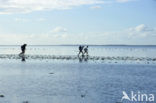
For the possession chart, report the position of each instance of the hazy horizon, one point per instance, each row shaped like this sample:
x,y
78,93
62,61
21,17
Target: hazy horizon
x,y
77,45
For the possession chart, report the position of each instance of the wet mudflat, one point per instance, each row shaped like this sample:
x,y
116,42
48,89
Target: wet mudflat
x,y
65,81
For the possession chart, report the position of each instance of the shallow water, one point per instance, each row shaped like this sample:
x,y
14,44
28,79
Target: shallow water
x,y
72,82
109,54
54,74
131,51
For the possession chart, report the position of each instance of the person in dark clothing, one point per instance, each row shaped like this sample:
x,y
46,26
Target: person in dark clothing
x,y
23,48
80,50
86,50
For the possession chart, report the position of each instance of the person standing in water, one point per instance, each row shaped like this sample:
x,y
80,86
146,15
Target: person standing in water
x,y
86,50
23,48
80,50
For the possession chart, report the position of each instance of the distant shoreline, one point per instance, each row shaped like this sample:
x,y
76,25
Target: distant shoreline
x,y
82,44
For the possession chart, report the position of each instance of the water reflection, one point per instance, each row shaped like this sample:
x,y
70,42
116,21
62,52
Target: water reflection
x,y
83,58
132,51
23,58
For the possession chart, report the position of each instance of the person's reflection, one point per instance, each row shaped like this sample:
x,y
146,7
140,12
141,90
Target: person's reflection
x,y
83,58
22,58
86,58
80,59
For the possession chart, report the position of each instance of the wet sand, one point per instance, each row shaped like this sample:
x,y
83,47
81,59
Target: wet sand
x,y
72,81
102,59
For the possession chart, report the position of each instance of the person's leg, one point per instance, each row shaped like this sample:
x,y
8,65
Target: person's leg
x,y
82,53
87,53
79,53
23,52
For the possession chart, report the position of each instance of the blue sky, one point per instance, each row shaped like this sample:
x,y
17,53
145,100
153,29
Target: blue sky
x,y
78,22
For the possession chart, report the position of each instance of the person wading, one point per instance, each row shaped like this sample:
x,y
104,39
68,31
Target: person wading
x,y
23,48
80,50
86,50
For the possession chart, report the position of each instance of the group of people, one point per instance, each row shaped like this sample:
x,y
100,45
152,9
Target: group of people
x,y
83,50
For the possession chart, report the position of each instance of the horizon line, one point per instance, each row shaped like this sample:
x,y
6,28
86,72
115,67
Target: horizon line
x,y
84,45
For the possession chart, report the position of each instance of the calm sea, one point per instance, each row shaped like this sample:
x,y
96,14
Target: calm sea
x,y
113,51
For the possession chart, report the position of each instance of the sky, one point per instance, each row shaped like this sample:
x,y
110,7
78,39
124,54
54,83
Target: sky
x,y
100,22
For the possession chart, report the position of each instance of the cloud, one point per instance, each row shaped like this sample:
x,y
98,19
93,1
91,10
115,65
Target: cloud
x,y
96,7
27,6
138,35
142,30
21,20
59,30
29,20
124,1
32,39
41,19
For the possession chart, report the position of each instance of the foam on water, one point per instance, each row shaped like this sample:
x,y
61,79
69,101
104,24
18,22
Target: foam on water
x,y
88,58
